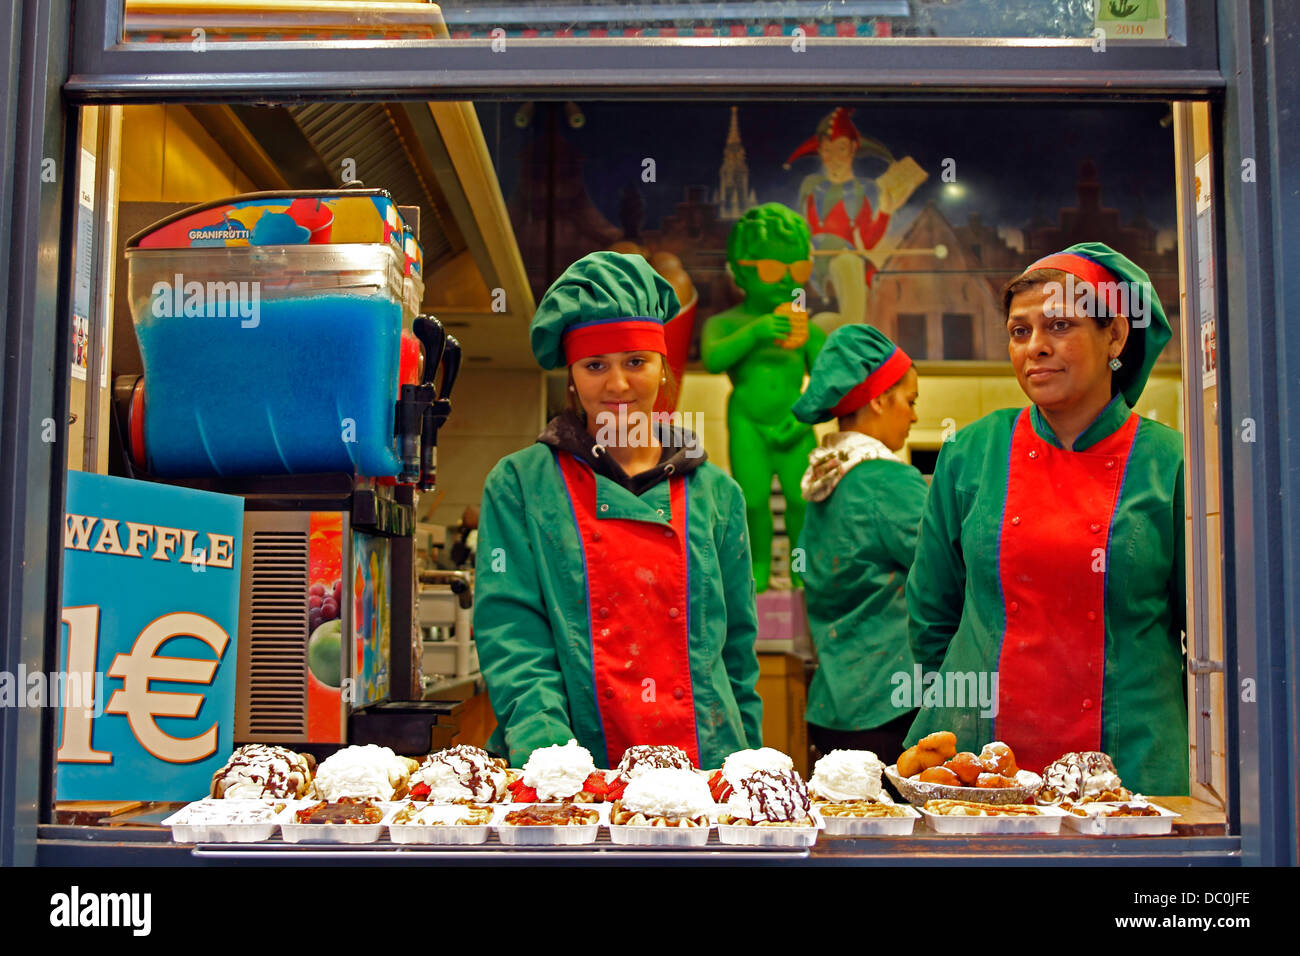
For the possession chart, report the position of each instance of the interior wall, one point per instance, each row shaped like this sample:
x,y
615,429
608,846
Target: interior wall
x,y
494,412
167,156
1209,524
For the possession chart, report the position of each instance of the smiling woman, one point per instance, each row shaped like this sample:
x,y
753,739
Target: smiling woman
x,y
1051,549
614,603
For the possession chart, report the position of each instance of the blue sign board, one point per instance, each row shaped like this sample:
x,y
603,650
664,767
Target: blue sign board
x,y
150,620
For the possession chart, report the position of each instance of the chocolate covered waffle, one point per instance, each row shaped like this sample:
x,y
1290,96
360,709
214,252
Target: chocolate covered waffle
x,y
261,771
557,815
347,810
769,798
1086,777
461,774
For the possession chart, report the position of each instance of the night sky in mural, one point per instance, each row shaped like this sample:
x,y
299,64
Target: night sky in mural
x,y
1011,161
1029,180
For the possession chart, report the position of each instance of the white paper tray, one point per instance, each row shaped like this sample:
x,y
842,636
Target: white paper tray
x,y
873,826
223,833
1098,824
450,834
1048,821
659,836
294,832
788,837
547,836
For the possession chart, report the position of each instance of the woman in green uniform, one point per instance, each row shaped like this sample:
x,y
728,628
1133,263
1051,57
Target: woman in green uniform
x,y
614,594
1051,550
858,539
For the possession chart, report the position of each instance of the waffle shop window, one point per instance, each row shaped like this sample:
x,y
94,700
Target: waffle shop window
x,y
918,222
875,240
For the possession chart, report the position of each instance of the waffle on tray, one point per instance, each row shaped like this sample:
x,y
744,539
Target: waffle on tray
x,y
345,810
565,814
620,816
965,808
1118,810
860,810
471,815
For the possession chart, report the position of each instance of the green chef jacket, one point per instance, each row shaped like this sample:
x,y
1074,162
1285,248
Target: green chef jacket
x,y
859,543
956,590
531,613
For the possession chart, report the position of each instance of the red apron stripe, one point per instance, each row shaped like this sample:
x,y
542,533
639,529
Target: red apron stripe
x,y
639,609
1052,562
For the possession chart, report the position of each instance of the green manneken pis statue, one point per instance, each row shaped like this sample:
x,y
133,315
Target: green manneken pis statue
x,y
766,345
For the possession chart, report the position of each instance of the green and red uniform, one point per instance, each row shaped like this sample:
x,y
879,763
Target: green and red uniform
x,y
615,611
1063,572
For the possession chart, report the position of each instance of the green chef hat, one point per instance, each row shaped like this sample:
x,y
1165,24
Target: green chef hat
x,y
605,302
857,363
1119,287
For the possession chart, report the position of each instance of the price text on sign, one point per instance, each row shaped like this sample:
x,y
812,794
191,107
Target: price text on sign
x,y
151,597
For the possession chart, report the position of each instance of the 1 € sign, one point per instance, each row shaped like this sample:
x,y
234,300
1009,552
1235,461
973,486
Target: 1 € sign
x,y
135,700
160,640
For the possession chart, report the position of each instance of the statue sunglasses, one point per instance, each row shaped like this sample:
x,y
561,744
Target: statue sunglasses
x,y
772,271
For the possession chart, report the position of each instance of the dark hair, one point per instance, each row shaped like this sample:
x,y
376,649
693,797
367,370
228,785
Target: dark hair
x,y
1133,346
1029,280
668,389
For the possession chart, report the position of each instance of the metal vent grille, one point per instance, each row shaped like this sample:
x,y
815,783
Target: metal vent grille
x,y
273,672
366,134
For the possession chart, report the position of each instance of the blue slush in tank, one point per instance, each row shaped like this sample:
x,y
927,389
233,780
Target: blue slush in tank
x,y
301,392
277,359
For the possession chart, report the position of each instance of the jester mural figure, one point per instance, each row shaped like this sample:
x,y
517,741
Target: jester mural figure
x,y
765,345
848,214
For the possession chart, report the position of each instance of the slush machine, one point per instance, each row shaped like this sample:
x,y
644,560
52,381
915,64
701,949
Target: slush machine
x,y
285,361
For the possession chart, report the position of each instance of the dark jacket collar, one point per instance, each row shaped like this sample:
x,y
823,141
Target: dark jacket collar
x,y
681,453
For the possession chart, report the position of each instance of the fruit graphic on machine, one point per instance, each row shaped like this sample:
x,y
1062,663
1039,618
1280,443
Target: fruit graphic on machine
x,y
324,653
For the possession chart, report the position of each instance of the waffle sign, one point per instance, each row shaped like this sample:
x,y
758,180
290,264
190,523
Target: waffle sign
x,y
146,689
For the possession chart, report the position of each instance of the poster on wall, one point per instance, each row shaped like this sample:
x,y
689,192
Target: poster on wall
x,y
147,650
1205,274
917,218
85,262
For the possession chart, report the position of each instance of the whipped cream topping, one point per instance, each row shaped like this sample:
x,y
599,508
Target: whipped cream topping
x,y
777,796
745,762
1027,778
642,757
847,775
558,771
668,792
461,773
360,771
261,770
1077,776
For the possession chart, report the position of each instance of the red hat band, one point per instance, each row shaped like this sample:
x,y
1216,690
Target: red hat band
x,y
603,336
876,384
1088,270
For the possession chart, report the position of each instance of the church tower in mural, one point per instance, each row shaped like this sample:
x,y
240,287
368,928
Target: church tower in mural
x,y
734,195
